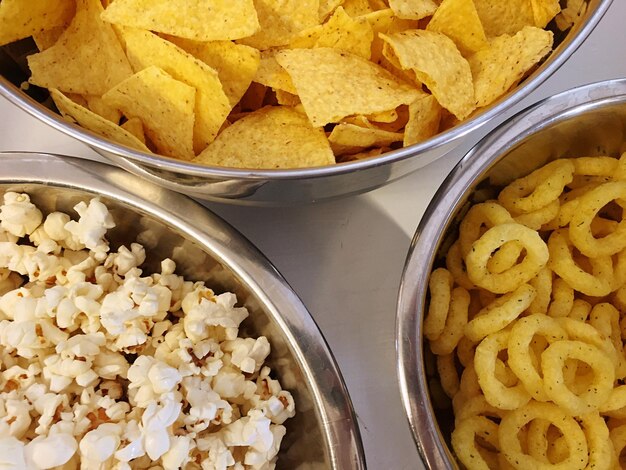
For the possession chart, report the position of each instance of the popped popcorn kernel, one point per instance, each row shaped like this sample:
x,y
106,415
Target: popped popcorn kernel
x,y
104,366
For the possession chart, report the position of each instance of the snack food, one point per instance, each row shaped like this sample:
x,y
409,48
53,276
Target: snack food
x,y
106,366
370,75
535,363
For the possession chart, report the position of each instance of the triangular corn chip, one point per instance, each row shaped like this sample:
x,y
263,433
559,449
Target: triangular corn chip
x,y
357,7
202,20
333,84
458,19
506,61
74,112
504,17
87,59
235,64
349,138
544,11
413,9
272,75
281,21
439,65
342,32
424,119
145,49
327,7
20,19
272,137
135,127
164,105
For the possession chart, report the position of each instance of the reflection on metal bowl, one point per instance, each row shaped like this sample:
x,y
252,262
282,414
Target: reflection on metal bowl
x,y
586,121
324,433
279,187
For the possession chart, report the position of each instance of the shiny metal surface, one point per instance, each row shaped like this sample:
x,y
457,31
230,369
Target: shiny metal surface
x,y
324,434
275,187
590,120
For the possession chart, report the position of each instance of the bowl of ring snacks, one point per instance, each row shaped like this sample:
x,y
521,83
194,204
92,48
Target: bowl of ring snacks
x,y
133,339
513,299
273,102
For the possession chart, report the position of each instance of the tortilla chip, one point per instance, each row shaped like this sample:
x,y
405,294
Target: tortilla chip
x,y
20,19
236,64
349,138
504,17
357,7
458,19
439,65
341,32
272,137
74,112
327,7
384,116
164,105
253,98
389,61
544,11
413,9
334,84
145,49
48,38
272,75
506,61
135,127
97,105
202,20
424,119
380,21
285,98
87,59
281,21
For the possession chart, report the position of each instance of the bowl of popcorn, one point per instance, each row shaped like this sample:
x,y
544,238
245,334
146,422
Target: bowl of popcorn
x,y
511,311
269,102
131,337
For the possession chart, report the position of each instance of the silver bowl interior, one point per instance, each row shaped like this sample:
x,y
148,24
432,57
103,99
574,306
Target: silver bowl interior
x,y
324,433
278,187
586,121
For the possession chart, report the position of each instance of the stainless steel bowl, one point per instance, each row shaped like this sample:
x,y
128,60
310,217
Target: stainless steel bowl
x,y
590,120
324,433
278,187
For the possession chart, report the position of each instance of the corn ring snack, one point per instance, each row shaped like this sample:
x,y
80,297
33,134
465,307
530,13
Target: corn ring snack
x,y
487,214
500,313
601,449
573,435
440,291
448,375
540,217
455,323
496,393
595,166
519,356
476,260
562,299
618,438
456,265
588,207
466,431
598,283
542,283
478,406
552,363
538,189
580,310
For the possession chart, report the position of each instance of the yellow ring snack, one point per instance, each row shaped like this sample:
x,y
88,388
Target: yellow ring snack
x,y
466,431
440,291
537,190
552,363
496,393
598,283
509,280
500,313
588,207
455,323
519,355
574,437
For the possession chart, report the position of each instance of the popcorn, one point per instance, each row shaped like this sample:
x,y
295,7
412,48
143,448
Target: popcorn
x,y
18,215
105,367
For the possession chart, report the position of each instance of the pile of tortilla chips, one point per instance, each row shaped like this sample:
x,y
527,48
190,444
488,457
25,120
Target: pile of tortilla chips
x,y
277,83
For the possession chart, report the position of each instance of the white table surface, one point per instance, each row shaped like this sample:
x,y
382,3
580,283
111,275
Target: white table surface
x,y
345,258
